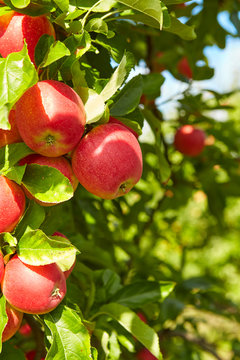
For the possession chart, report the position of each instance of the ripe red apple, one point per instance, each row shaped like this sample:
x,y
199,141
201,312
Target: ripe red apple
x,y
116,121
25,330
108,161
50,117
189,140
13,324
59,163
10,136
31,355
2,267
15,27
33,289
12,204
145,354
184,68
67,272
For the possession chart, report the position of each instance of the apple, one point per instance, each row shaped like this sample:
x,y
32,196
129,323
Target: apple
x,y
145,354
12,204
67,272
59,163
31,355
116,121
33,289
184,68
2,267
189,140
25,330
13,324
15,27
50,117
142,317
108,161
10,136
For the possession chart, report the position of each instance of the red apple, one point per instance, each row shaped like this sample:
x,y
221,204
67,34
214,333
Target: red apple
x,y
25,330
13,324
184,68
145,354
189,140
31,355
67,272
116,121
2,267
15,27
142,317
10,136
108,161
59,163
33,289
50,117
12,204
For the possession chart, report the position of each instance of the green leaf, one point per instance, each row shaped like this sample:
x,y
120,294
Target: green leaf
x,y
3,317
152,85
143,292
20,4
128,98
17,74
47,184
118,76
10,352
97,25
33,218
94,353
151,8
36,248
70,338
56,51
62,4
42,48
11,154
93,103
131,322
186,32
103,6
15,173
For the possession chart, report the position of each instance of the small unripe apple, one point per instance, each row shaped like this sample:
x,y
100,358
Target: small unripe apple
x,y
59,163
184,68
108,161
189,140
15,27
10,136
50,117
33,289
145,354
13,324
12,204
116,121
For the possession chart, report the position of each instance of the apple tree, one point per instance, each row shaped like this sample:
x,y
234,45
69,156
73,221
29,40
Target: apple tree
x,y
118,222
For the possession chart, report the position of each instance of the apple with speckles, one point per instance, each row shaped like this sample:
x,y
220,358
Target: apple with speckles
x,y
33,289
15,27
50,117
12,204
12,135
108,161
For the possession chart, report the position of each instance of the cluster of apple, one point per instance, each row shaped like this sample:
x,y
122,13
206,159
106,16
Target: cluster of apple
x,y
50,118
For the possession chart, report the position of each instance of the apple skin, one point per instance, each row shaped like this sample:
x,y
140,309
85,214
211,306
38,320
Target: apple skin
x,y
13,324
25,330
108,161
33,289
67,272
50,117
184,68
116,121
142,317
12,204
15,27
2,267
145,354
189,140
59,163
10,136
31,355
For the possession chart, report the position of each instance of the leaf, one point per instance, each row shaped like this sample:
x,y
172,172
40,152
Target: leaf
x,y
20,4
143,292
42,48
56,51
97,25
131,322
33,218
70,338
36,248
15,173
186,32
128,98
17,74
10,352
151,8
93,104
152,85
3,318
11,154
103,6
118,76
47,184
62,4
